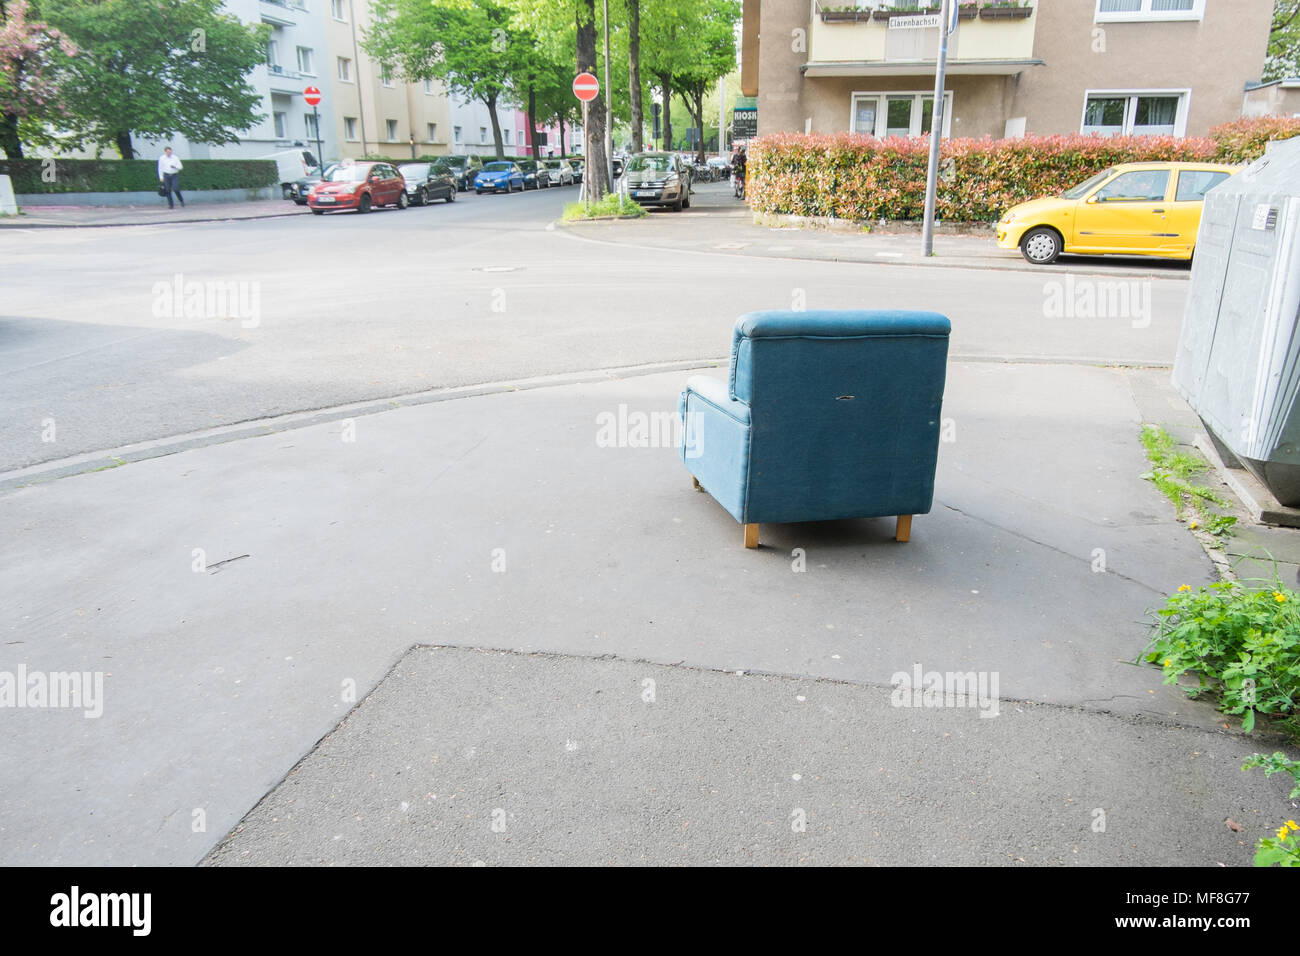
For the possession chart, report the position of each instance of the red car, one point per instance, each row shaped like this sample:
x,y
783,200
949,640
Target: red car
x,y
359,186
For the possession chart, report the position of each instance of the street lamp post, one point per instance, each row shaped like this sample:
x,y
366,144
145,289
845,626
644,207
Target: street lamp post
x,y
946,21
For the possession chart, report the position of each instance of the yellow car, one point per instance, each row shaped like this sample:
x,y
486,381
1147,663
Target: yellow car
x,y
1133,209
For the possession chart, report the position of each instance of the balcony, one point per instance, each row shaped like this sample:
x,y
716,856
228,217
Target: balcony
x,y
991,39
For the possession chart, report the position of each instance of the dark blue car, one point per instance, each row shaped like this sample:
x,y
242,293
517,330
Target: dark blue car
x,y
499,177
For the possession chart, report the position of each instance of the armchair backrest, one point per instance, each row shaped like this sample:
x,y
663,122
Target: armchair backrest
x,y
845,410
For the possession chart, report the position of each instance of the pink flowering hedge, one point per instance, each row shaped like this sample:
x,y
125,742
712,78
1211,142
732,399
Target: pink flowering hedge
x,y
850,176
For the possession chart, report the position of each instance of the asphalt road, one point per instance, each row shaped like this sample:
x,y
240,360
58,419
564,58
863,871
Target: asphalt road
x,y
103,342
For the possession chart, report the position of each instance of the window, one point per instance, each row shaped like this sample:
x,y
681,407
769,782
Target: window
x,y
432,133
1193,184
349,127
304,60
897,114
337,11
273,55
1142,185
345,69
482,134
281,125
1111,11
390,129
309,125
1158,113
428,87
506,134
455,132
385,77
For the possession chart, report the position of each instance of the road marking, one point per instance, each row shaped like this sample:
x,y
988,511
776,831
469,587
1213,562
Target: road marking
x,y
731,245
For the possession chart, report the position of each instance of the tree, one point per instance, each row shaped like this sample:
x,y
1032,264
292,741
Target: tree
x,y
595,171
637,117
713,43
157,68
1284,41
471,47
30,61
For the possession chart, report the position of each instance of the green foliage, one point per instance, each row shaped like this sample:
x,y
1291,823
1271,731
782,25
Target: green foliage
x,y
1276,763
1243,645
611,204
1243,140
850,176
1284,41
1172,470
156,68
1283,849
137,175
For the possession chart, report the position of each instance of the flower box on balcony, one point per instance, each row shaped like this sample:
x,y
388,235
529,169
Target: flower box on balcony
x,y
886,14
968,11
1006,13
842,16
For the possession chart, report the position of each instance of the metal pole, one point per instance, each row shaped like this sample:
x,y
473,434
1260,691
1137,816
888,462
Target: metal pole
x,y
320,158
584,195
609,109
936,133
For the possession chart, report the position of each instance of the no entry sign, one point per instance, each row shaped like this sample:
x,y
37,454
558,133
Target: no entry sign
x,y
585,87
311,95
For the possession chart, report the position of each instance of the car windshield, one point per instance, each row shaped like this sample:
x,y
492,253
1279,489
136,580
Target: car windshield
x,y
528,167
497,168
454,163
649,164
346,174
1081,190
414,170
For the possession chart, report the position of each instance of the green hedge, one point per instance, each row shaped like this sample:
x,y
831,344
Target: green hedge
x,y
136,175
848,176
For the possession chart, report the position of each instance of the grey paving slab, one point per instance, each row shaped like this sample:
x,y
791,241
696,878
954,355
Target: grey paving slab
x,y
465,757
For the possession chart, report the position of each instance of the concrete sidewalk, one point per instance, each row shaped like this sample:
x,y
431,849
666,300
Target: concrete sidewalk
x,y
240,598
54,217
718,223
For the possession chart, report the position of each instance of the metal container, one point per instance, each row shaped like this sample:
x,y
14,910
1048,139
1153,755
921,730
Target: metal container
x,y
1238,359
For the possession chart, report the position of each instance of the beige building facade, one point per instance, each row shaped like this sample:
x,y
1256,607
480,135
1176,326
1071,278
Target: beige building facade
x,y
1052,67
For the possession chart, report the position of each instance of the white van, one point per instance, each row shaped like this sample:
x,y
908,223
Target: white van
x,y
293,165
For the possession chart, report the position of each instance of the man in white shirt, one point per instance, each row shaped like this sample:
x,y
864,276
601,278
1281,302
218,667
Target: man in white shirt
x,y
169,168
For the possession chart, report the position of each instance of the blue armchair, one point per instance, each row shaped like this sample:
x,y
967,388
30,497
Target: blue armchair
x,y
826,415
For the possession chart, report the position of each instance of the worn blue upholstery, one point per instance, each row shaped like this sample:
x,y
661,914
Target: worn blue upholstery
x,y
826,414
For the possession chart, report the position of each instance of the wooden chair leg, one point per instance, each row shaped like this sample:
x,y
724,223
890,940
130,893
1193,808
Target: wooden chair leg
x,y
696,483
751,535
903,529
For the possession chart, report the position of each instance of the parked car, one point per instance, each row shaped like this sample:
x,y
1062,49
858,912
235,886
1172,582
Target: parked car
x,y
1142,209
618,167
292,165
561,173
577,165
426,182
462,168
299,189
721,168
536,175
499,177
359,186
657,179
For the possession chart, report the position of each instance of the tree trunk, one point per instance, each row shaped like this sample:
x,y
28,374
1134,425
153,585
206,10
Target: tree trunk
x,y
695,106
596,165
666,86
562,136
634,72
490,102
123,141
532,121
9,140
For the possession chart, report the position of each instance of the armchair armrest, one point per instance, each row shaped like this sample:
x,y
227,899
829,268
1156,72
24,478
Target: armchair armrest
x,y
716,393
715,441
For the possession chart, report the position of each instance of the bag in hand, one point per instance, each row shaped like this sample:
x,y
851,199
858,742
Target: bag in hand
x,y
162,191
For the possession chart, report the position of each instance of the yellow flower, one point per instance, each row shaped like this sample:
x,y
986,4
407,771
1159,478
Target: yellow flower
x,y
1168,662
1184,587
1279,597
1293,825
1192,525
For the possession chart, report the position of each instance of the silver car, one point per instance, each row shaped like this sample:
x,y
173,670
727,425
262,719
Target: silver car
x,y
657,179
561,172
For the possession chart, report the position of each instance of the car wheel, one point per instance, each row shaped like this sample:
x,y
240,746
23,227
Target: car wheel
x,y
363,204
1041,245
686,202
422,197
451,195
677,206
318,212
478,192
402,201
300,202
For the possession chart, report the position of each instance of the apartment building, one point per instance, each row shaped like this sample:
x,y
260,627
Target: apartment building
x,y
1046,67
